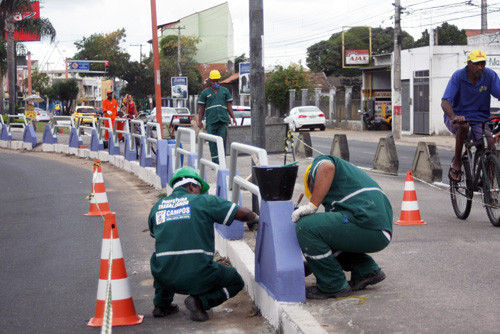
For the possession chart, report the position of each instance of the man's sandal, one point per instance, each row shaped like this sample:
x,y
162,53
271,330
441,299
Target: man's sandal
x,y
455,174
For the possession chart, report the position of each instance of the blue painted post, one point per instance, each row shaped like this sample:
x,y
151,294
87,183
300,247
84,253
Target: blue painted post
x,y
113,147
48,137
4,135
145,161
192,157
236,229
161,161
95,143
29,135
130,154
278,259
74,139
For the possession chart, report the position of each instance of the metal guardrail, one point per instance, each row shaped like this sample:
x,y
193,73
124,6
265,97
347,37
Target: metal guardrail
x,y
178,150
236,182
16,125
55,123
202,162
137,130
80,125
152,137
125,130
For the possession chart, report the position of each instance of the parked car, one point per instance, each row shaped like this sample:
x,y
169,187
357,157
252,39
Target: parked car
x,y
243,115
310,117
85,111
42,115
169,114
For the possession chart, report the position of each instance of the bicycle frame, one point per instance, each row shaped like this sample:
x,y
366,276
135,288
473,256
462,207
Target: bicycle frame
x,y
476,159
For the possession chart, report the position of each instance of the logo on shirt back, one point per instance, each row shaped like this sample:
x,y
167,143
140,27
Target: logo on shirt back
x,y
483,88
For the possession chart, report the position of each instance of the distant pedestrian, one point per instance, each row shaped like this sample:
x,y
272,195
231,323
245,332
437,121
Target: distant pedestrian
x,y
110,110
216,102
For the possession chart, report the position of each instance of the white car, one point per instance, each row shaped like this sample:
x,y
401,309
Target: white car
x,y
42,115
310,117
243,115
176,115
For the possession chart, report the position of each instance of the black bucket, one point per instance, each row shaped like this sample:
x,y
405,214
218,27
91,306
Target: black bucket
x,y
276,183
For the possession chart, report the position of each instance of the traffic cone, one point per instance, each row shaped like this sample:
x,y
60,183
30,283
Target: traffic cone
x,y
99,205
123,308
410,215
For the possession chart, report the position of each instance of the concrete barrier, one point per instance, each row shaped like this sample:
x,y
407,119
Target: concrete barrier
x,y
276,135
340,148
386,157
426,163
303,148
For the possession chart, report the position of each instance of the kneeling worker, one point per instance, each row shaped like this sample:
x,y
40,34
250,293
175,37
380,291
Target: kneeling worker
x,y
182,225
357,220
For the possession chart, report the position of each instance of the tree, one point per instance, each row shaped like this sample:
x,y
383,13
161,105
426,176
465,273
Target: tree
x,y
280,80
447,34
326,56
66,91
40,82
104,47
42,26
238,60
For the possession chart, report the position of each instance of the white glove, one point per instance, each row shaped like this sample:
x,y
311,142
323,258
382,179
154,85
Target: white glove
x,y
109,112
304,210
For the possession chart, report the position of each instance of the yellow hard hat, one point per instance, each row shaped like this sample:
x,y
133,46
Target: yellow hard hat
x,y
307,192
214,75
476,56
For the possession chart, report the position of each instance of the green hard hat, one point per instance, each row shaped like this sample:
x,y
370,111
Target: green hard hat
x,y
189,172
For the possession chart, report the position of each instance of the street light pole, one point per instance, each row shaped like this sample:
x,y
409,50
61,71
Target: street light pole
x,y
156,57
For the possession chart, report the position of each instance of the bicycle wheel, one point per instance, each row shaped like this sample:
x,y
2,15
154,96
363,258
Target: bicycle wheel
x,y
461,195
491,188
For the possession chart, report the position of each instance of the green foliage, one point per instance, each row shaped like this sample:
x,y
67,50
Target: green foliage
x,y
104,47
280,81
447,34
40,82
66,91
326,56
238,60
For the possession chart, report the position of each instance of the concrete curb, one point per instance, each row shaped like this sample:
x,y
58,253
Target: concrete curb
x,y
426,164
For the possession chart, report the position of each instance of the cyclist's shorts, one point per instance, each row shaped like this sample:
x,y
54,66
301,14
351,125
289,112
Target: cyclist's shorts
x,y
475,129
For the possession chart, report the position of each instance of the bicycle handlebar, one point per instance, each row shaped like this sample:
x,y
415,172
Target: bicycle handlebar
x,y
475,120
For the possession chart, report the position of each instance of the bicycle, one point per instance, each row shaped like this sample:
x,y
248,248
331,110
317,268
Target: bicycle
x,y
480,172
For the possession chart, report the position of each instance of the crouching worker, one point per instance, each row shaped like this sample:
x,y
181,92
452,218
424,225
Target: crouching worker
x,y
182,225
357,220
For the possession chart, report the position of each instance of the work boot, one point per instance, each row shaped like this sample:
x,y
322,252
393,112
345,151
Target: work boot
x,y
160,312
307,269
370,279
195,306
313,292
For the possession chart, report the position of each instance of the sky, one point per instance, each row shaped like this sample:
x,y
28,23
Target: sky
x,y
290,26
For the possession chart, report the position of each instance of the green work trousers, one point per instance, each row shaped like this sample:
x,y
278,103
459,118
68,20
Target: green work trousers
x,y
218,129
332,244
218,288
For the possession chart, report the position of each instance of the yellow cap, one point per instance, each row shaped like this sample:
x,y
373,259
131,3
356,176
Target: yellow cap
x,y
214,74
476,56
307,192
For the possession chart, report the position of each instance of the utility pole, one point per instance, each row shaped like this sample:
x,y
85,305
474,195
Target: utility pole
x,y
179,70
396,92
156,57
484,17
140,55
257,81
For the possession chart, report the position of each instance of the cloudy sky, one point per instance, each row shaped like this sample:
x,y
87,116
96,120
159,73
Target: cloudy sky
x,y
290,26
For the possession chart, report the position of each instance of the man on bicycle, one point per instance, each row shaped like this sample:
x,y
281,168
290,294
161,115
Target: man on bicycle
x,y
467,96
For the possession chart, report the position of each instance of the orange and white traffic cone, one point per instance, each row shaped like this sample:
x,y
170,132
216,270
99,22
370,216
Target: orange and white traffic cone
x,y
123,309
99,205
410,214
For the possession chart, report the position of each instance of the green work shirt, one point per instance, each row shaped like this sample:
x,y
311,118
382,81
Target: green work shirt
x,y
215,104
183,226
356,195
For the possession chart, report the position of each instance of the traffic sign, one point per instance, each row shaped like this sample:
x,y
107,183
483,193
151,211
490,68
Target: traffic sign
x,y
79,66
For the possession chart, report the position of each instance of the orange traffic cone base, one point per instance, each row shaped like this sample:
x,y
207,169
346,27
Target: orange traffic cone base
x,y
123,314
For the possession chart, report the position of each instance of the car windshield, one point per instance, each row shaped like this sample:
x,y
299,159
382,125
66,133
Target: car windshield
x,y
182,111
167,111
309,109
241,113
86,110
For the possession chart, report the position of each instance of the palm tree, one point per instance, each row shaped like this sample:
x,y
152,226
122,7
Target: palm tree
x,y
42,26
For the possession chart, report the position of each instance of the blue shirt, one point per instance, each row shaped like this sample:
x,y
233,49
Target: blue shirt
x,y
472,101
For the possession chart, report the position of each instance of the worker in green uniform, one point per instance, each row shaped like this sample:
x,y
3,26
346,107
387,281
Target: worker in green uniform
x,y
216,102
357,220
182,225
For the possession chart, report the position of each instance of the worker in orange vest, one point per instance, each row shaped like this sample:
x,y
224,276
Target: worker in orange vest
x,y
110,110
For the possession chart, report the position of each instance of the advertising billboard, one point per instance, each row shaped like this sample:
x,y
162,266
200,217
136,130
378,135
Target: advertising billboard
x,y
33,13
179,87
357,57
244,83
